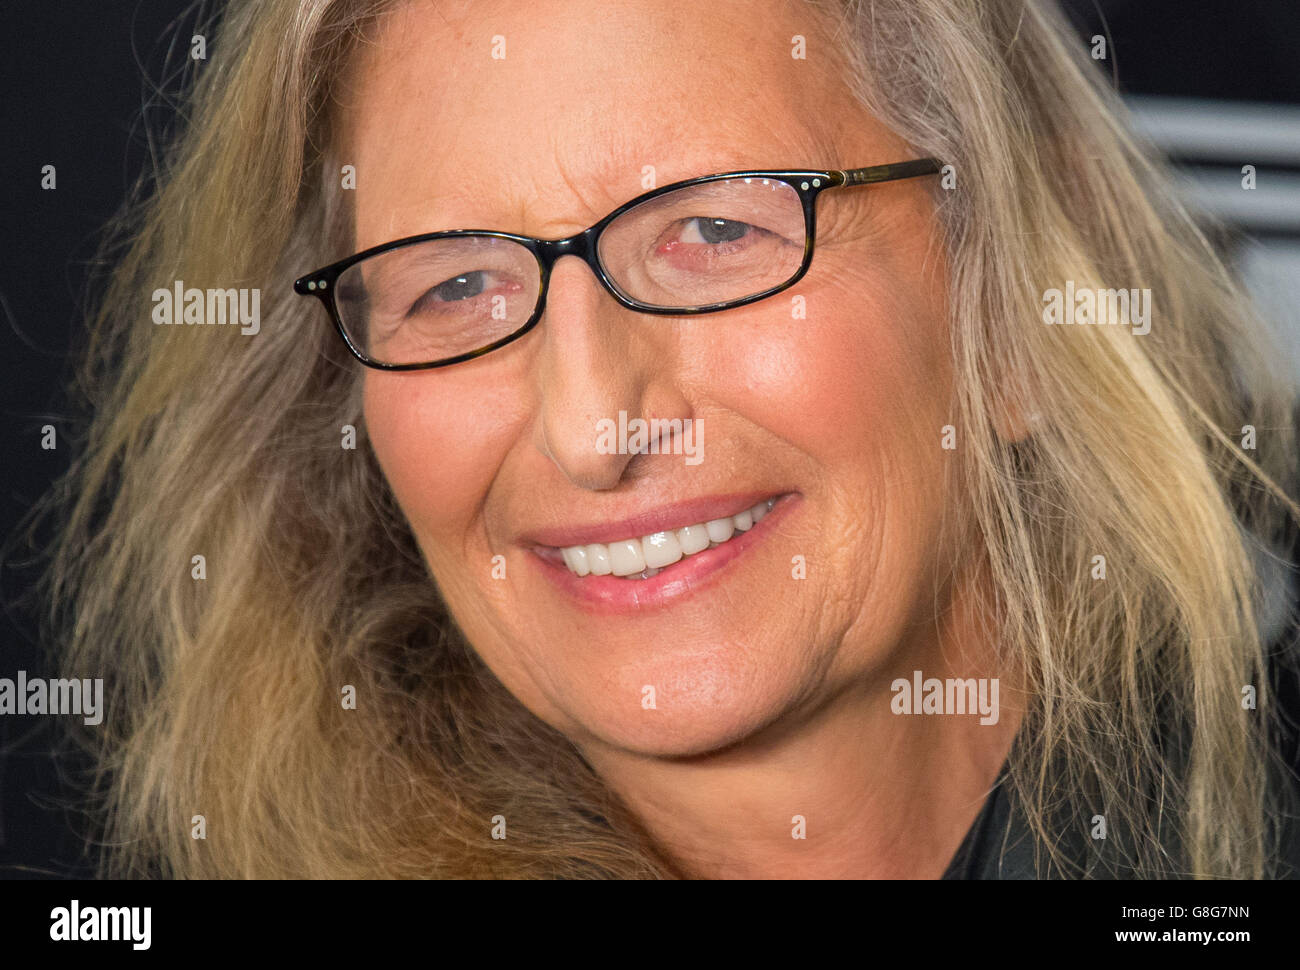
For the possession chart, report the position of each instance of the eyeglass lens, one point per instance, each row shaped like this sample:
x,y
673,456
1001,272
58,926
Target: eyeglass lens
x,y
715,242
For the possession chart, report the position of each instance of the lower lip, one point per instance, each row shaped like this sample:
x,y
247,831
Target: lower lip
x,y
610,594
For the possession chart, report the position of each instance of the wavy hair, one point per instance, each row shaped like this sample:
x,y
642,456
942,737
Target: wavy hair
x,y
223,696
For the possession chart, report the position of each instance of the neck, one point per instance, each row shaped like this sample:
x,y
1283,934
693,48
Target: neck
x,y
875,793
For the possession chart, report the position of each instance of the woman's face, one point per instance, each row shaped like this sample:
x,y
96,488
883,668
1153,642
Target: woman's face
x,y
829,398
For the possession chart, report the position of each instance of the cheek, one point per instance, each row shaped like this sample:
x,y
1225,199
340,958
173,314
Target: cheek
x,y
439,440
865,374
861,389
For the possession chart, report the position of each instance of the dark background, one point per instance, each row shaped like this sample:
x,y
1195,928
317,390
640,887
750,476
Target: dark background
x,y
80,86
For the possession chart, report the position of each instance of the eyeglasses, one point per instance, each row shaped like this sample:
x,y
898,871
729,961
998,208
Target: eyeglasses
x,y
698,246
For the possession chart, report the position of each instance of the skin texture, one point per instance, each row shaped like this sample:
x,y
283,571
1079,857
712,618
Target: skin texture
x,y
772,693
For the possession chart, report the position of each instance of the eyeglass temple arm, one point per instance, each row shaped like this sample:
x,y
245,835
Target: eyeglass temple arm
x,y
888,173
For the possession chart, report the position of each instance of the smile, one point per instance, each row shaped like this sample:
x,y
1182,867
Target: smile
x,y
643,558
661,561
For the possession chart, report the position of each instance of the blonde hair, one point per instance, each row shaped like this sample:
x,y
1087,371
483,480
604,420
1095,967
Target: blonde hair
x,y
223,696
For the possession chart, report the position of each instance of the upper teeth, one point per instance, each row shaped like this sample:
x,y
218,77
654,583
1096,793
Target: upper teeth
x,y
644,557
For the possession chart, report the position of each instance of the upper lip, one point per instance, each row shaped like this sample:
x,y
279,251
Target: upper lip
x,y
662,519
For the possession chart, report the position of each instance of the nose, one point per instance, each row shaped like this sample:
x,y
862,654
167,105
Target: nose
x,y
597,359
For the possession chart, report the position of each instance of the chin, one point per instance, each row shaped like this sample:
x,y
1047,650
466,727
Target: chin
x,y
703,701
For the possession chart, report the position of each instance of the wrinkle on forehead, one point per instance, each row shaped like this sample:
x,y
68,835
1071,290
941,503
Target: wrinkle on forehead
x,y
640,87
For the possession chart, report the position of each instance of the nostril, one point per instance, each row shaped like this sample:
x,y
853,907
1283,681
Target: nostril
x,y
569,442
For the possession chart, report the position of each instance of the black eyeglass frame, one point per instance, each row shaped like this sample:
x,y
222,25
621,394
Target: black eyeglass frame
x,y
807,183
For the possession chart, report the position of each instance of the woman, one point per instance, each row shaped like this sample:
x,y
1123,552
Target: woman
x,y
785,530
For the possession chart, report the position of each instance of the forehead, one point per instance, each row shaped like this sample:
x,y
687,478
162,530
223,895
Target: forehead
x,y
542,116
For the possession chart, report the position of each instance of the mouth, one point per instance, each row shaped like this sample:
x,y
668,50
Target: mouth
x,y
645,557
636,571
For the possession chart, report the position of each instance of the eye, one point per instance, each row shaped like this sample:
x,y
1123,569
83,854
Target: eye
x,y
466,286
459,290
714,231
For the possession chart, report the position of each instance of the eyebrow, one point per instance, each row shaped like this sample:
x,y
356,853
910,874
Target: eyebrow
x,y
803,149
